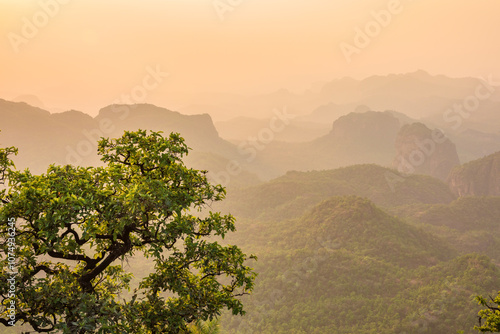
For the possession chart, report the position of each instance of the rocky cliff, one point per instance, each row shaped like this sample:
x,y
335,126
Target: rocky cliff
x,y
421,150
366,137
477,178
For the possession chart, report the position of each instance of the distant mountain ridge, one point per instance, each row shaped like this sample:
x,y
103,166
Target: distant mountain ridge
x,y
417,94
360,137
364,137
357,249
71,137
293,193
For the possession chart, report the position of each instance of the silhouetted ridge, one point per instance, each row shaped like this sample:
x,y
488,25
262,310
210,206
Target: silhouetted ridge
x,y
291,194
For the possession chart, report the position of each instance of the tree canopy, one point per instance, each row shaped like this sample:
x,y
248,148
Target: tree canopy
x,y
73,225
490,314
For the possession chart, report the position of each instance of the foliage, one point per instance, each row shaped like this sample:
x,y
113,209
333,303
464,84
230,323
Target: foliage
x,y
346,266
464,214
490,315
293,194
209,327
5,163
74,223
469,224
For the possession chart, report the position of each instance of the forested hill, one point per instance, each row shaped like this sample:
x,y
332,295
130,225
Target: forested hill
x,y
471,224
289,195
346,266
364,249
357,249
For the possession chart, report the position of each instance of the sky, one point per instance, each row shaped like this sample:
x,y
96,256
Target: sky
x,y
86,54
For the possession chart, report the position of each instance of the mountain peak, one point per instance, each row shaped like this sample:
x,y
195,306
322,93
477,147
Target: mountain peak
x,y
424,151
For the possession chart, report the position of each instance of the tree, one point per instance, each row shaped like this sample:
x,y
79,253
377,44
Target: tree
x,y
210,327
74,224
5,164
490,315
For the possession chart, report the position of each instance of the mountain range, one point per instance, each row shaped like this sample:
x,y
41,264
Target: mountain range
x,y
380,216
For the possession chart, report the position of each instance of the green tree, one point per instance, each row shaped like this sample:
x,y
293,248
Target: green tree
x,y
5,165
209,327
74,224
490,315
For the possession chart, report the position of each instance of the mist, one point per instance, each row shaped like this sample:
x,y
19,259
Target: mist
x,y
358,141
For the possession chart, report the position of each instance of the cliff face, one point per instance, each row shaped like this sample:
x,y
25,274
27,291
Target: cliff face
x,y
198,130
477,178
366,127
360,138
421,150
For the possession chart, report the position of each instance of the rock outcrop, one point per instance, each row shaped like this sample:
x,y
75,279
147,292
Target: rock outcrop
x,y
477,178
356,138
421,150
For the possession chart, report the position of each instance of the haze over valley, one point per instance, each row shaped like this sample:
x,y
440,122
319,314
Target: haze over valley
x,y
358,142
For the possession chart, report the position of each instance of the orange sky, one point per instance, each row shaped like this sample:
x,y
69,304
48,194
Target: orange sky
x,y
84,54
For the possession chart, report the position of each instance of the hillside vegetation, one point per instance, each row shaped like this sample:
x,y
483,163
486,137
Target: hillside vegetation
x,y
288,196
347,266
